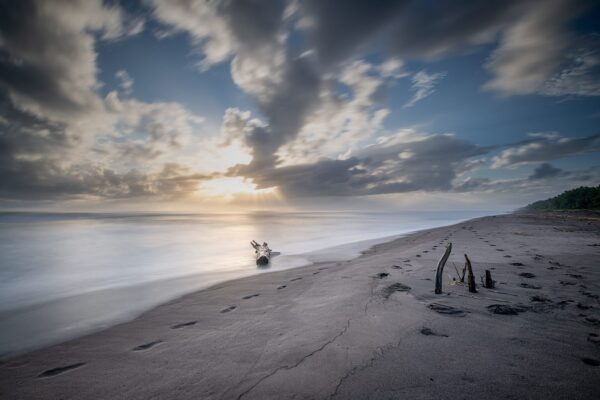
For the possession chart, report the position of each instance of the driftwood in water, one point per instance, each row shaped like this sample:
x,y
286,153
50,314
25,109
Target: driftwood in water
x,y
262,252
440,269
471,277
489,283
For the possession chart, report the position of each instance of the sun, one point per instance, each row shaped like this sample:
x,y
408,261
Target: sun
x,y
232,186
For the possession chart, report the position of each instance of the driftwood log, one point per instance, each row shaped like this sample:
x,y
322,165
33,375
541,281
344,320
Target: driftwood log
x,y
471,277
262,252
440,269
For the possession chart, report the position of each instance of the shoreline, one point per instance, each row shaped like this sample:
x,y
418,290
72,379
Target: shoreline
x,y
101,325
176,287
346,326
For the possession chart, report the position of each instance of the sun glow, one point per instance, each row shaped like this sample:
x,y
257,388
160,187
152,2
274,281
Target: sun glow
x,y
232,187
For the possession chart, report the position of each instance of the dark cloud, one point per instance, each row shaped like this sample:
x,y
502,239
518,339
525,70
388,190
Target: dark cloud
x,y
338,28
47,57
546,147
544,171
427,30
428,163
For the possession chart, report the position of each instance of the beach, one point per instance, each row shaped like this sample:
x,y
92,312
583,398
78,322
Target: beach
x,y
366,328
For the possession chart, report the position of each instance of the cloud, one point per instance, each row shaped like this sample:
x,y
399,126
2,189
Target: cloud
x,y
254,36
221,29
546,147
424,85
125,81
58,138
532,49
47,59
319,127
458,25
581,77
342,121
405,162
544,171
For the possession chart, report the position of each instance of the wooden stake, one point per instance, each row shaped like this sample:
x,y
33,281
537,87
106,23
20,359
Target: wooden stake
x,y
489,282
471,277
440,269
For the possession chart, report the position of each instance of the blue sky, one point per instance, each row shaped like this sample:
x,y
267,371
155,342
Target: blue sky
x,y
192,104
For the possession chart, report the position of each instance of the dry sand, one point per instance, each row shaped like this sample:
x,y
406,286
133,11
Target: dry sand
x,y
370,328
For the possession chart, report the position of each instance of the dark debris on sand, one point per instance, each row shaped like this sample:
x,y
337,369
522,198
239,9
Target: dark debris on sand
x,y
504,309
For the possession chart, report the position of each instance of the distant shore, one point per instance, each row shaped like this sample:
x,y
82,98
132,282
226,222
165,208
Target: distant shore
x,y
367,328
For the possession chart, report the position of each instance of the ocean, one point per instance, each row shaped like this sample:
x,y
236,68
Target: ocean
x,y
69,274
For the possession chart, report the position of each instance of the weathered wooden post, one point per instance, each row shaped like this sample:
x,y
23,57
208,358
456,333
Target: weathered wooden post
x,y
471,277
440,269
489,282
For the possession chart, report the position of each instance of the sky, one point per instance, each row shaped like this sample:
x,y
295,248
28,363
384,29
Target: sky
x,y
263,104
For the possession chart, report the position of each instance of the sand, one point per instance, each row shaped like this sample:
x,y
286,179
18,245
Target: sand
x,y
370,328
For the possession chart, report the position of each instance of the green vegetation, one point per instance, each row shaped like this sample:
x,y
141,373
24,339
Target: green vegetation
x,y
582,198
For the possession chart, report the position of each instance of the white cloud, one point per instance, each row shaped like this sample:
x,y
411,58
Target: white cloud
x,y
424,85
125,81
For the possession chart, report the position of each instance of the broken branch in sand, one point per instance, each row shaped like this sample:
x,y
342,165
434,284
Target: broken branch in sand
x,y
471,277
489,282
440,269
461,278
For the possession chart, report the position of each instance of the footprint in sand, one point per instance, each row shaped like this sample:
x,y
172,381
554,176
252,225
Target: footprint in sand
x,y
446,310
529,286
568,283
396,267
147,346
499,249
594,338
588,294
428,332
590,361
60,370
583,306
504,309
517,264
184,324
418,255
316,272
228,309
539,299
382,275
295,279
281,287
396,287
527,275
507,256
250,296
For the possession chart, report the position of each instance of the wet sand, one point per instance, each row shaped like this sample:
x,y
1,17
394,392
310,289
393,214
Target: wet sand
x,y
369,328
